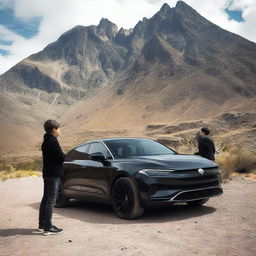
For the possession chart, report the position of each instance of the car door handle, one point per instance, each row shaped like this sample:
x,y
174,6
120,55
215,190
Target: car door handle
x,y
83,167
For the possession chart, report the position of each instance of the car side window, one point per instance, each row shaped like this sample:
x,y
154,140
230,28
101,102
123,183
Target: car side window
x,y
83,148
80,153
99,147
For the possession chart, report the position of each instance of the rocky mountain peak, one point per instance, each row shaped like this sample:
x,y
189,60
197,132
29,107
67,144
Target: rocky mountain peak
x,y
183,7
105,23
179,37
165,9
189,15
108,27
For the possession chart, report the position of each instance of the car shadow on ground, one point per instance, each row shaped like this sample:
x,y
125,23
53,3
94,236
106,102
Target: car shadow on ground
x,y
104,214
18,231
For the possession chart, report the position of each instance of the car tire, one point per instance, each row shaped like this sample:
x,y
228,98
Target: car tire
x,y
198,202
125,199
61,200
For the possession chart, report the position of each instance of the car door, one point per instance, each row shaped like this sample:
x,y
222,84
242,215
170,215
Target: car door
x,y
85,178
75,172
100,174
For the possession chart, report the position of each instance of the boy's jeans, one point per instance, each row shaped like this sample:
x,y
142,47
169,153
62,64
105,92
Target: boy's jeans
x,y
51,185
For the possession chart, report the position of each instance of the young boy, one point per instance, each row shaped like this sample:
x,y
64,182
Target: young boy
x,y
53,159
205,144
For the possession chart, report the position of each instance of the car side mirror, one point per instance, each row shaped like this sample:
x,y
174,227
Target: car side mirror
x,y
98,156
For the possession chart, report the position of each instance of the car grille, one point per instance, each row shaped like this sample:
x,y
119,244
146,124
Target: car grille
x,y
191,185
197,194
189,171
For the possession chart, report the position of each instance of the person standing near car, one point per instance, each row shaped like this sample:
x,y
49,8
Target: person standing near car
x,y
206,147
53,159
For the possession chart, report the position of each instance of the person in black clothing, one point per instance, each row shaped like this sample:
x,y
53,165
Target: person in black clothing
x,y
206,146
53,159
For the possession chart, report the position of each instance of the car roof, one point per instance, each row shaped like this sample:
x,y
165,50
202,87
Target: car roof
x,y
124,138
112,139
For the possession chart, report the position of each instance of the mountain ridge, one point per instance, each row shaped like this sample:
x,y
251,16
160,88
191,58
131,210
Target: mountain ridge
x,y
172,67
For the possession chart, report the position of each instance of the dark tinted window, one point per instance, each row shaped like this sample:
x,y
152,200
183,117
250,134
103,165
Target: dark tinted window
x,y
99,147
125,148
79,153
84,148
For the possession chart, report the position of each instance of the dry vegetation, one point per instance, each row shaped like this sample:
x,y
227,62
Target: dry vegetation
x,y
12,170
235,158
13,174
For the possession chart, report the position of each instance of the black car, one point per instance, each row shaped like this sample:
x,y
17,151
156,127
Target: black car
x,y
135,173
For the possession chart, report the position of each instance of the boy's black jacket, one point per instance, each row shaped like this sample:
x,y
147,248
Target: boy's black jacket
x,y
206,148
53,157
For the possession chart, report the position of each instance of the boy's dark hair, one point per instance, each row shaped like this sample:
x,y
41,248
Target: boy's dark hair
x,y
49,125
205,130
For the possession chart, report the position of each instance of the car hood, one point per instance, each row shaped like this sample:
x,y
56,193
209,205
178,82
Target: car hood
x,y
176,162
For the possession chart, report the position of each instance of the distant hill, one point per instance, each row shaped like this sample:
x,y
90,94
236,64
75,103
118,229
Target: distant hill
x,y
174,68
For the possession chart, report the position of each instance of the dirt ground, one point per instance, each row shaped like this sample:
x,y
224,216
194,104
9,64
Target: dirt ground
x,y
226,225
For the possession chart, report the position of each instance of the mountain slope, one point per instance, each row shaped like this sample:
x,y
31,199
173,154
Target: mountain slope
x,y
100,81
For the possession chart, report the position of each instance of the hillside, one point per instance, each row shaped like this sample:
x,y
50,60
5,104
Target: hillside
x,y
173,69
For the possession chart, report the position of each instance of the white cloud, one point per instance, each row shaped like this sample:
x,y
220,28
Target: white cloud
x,y
59,16
215,12
242,4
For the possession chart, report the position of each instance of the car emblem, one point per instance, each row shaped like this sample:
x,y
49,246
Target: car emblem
x,y
201,171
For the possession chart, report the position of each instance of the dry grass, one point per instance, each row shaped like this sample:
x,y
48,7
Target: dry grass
x,y
250,176
13,174
236,158
5,166
13,170
35,164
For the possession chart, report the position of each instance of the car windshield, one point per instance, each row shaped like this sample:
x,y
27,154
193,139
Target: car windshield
x,y
126,148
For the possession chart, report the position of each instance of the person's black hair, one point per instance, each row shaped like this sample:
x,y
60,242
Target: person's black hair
x,y
49,125
205,130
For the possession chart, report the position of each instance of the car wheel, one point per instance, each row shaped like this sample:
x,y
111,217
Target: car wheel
x,y
198,202
61,200
125,199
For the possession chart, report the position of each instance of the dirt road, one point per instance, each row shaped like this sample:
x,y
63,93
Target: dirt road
x,y
224,226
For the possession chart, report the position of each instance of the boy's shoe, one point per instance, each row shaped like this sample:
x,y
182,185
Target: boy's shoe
x,y
40,228
52,231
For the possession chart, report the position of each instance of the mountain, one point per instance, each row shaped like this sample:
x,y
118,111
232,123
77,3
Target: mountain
x,y
174,68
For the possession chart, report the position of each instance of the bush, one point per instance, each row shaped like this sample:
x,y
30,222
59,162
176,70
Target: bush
x,y
235,159
35,164
4,166
12,170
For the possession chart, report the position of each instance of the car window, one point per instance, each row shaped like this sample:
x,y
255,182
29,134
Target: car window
x,y
125,148
79,153
83,148
99,147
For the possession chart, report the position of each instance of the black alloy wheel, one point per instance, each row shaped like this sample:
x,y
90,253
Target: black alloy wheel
x,y
198,202
61,200
125,199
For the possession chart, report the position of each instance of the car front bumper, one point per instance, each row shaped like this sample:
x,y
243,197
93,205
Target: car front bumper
x,y
157,191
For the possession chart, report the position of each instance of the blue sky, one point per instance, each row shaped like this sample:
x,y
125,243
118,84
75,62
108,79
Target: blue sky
x,y
235,15
28,26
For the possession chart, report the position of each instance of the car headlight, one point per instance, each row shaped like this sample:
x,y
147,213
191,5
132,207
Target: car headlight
x,y
155,172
